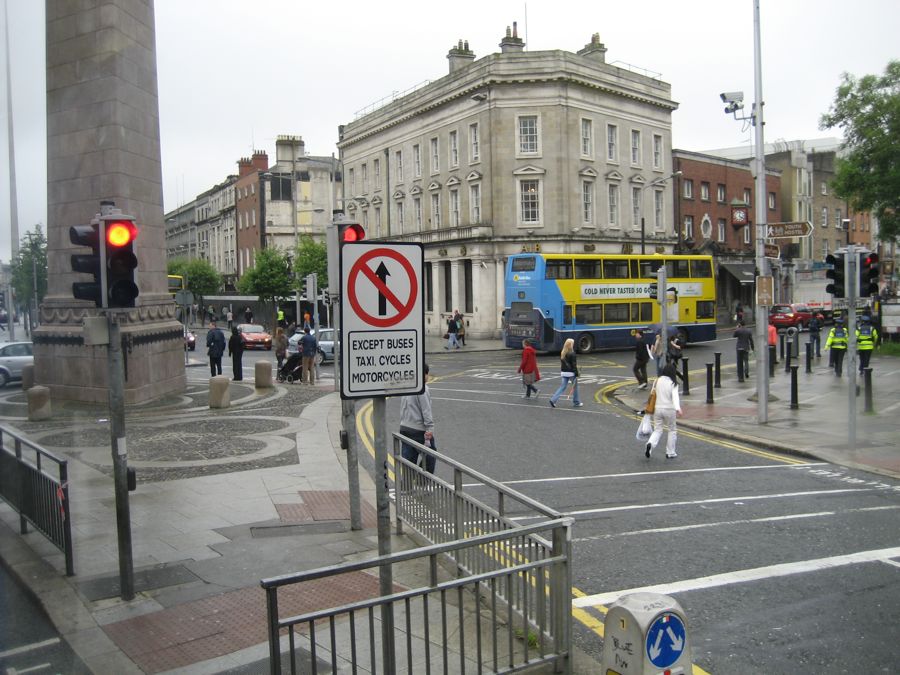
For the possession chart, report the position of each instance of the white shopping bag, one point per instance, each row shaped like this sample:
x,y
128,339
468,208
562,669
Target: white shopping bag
x,y
645,429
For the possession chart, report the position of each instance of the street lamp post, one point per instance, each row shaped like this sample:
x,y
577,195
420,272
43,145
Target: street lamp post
x,y
654,183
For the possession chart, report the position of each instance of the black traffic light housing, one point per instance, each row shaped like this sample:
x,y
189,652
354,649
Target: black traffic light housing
x,y
88,235
868,274
350,232
837,287
121,262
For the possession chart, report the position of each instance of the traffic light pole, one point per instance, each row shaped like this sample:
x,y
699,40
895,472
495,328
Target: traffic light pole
x,y
851,276
116,375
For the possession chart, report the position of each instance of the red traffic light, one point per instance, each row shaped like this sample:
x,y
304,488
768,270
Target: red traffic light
x,y
120,232
871,259
352,232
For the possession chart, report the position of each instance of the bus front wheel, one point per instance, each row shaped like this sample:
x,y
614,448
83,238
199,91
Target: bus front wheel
x,y
585,343
682,336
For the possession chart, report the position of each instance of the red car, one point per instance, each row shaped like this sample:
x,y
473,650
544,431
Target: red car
x,y
790,316
254,336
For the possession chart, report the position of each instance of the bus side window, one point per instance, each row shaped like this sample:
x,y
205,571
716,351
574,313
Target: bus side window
x,y
558,269
701,269
567,315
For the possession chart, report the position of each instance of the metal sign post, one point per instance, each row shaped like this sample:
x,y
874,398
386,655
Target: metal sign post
x,y
851,276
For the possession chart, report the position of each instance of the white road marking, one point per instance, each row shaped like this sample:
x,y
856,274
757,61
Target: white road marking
x,y
890,408
561,479
743,576
559,406
29,648
718,500
750,521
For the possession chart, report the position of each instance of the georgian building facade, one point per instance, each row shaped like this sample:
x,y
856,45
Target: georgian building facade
x,y
548,151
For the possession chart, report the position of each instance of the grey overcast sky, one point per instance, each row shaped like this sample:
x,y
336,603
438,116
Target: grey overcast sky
x,y
233,74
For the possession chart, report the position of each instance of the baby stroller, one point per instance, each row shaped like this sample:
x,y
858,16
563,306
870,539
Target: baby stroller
x,y
291,370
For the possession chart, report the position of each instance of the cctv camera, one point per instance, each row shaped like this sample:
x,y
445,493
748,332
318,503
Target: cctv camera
x,y
732,96
732,107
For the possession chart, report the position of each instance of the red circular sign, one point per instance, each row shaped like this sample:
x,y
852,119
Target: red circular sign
x,y
361,267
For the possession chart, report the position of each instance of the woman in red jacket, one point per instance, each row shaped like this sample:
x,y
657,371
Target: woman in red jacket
x,y
529,369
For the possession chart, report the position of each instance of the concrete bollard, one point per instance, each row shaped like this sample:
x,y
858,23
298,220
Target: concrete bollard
x,y
27,377
38,403
262,373
219,392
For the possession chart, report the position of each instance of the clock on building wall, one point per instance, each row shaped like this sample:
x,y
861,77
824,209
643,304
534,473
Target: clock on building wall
x,y
739,216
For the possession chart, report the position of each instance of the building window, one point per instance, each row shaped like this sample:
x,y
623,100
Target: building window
x,y
657,151
720,226
454,208
474,143
417,161
636,195
704,191
454,149
748,196
376,169
417,213
635,147
658,217
771,201
587,202
428,287
529,135
475,202
824,216
838,219
529,202
688,188
688,227
365,179
587,138
365,218
824,190
746,229
720,193
399,217
825,248
350,174
436,210
398,162
612,142
435,157
613,205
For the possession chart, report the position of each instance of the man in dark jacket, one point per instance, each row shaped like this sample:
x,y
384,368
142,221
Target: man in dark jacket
x,y
744,346
215,347
641,357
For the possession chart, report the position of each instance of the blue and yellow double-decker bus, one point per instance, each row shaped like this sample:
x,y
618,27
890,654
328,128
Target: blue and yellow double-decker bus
x,y
599,300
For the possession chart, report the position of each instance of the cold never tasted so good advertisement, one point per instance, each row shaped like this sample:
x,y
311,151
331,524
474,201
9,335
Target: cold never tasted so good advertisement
x,y
636,290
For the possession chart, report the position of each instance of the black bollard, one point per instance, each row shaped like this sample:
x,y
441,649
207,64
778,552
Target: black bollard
x,y
809,357
718,370
781,344
709,383
686,387
794,403
772,361
787,357
867,375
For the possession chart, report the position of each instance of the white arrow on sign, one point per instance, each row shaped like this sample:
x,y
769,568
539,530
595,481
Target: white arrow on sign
x,y
677,642
655,650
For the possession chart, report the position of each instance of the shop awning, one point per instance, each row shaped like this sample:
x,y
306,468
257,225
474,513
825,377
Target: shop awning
x,y
743,272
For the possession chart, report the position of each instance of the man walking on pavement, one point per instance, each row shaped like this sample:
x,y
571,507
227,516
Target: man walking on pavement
x,y
452,330
641,358
815,334
308,347
866,339
744,346
772,337
417,423
215,347
837,343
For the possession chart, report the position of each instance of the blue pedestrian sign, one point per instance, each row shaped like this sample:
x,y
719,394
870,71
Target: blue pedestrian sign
x,y
665,640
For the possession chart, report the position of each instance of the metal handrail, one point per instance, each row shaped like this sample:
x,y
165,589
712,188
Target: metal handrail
x,y
39,498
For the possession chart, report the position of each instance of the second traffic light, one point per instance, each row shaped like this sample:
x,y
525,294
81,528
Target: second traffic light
x,y
121,262
837,287
868,274
350,232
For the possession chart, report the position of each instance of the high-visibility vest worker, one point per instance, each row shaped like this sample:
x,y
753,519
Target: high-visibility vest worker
x,y
837,337
280,316
866,337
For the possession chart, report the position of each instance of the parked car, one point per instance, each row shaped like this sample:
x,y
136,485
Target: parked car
x,y
13,357
790,316
254,336
190,340
326,345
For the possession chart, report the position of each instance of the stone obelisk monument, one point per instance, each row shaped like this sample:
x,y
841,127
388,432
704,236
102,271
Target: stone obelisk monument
x,y
103,144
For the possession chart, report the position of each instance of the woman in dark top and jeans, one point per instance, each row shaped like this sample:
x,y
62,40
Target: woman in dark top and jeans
x,y
568,370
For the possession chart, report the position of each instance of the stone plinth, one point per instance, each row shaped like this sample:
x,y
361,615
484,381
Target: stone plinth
x,y
38,404
263,375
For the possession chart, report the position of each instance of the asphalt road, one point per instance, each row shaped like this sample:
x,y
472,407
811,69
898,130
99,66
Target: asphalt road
x,y
782,565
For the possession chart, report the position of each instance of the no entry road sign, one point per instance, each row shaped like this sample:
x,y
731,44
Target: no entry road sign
x,y
382,320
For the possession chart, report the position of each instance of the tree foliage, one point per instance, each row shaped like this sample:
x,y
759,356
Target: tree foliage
x,y
200,277
269,279
32,249
311,257
867,109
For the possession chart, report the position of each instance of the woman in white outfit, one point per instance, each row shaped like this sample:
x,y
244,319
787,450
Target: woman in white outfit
x,y
668,407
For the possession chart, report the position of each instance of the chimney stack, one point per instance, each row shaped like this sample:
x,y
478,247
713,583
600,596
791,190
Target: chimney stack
x,y
594,50
460,56
512,42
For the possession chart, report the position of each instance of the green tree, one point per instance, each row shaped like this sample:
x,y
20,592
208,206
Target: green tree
x,y
29,267
269,279
311,257
867,109
200,277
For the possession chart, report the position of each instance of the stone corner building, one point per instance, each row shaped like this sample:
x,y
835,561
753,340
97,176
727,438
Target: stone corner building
x,y
546,151
103,144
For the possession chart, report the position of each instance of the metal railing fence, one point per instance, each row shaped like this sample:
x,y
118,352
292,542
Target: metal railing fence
x,y
40,498
434,622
